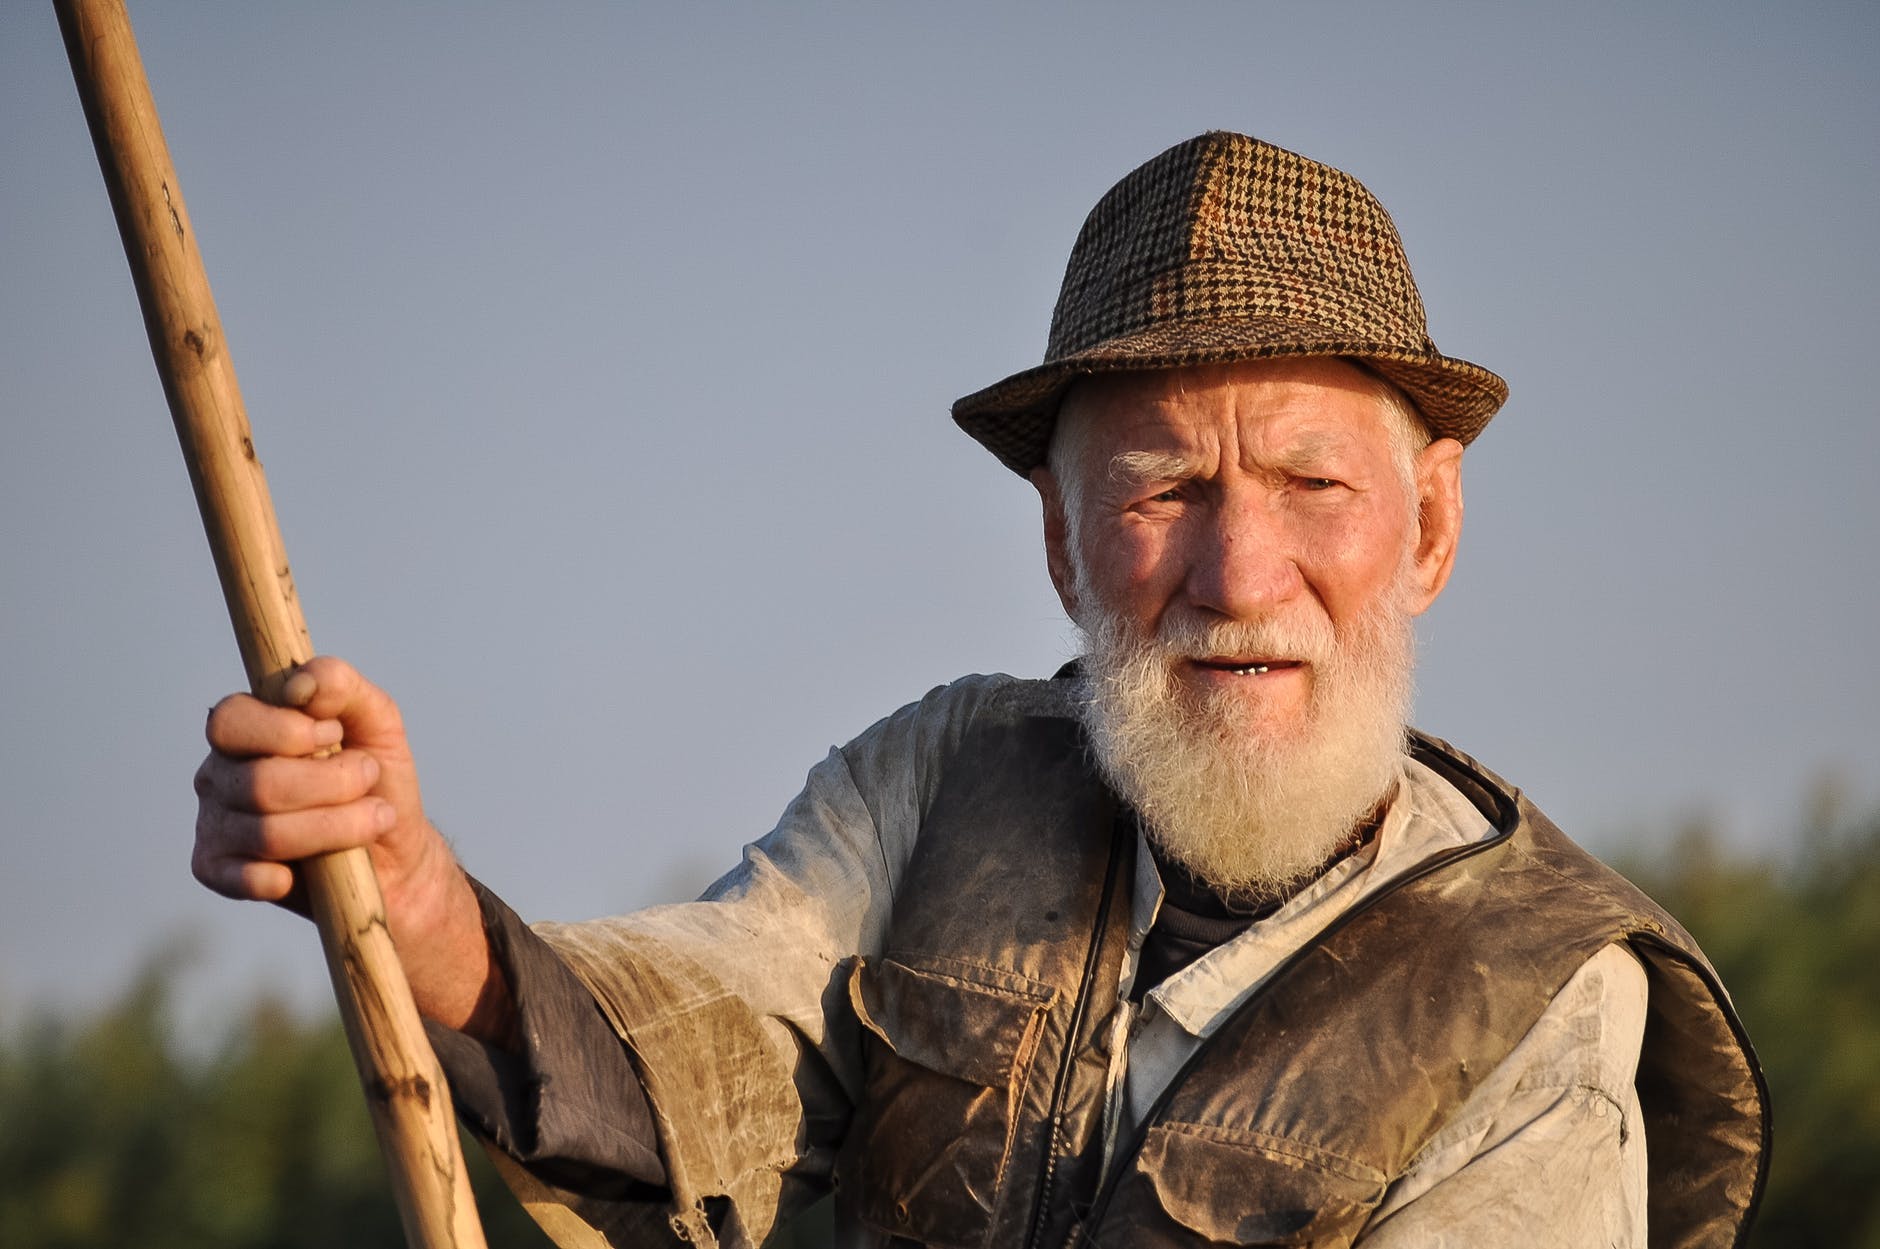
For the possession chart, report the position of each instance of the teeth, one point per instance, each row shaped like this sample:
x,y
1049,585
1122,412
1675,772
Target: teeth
x,y
1253,670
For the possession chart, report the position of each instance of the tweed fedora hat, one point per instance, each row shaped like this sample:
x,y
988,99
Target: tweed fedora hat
x,y
1226,248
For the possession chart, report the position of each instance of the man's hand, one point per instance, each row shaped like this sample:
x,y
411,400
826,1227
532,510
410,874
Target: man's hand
x,y
273,790
266,798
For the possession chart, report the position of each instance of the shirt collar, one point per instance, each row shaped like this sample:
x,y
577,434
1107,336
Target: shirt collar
x,y
1427,816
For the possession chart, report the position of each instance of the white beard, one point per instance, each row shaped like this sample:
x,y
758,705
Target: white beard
x,y
1251,808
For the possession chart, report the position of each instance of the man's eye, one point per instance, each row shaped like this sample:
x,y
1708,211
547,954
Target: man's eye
x,y
1172,495
1317,483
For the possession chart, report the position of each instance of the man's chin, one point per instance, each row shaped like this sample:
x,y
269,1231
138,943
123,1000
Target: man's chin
x,y
1259,723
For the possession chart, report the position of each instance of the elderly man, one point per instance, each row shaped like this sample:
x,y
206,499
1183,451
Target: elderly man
x,y
1191,944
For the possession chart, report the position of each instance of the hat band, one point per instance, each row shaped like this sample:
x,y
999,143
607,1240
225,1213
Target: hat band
x,y
1191,294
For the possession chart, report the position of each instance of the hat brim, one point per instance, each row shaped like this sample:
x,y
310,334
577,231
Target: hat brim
x,y
1013,419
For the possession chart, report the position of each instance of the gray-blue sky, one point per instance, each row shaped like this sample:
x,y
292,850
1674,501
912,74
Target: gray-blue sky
x,y
600,356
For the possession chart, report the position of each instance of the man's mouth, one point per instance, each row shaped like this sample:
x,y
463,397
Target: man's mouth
x,y
1253,667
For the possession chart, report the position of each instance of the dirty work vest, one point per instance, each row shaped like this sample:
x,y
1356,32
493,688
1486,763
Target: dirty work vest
x,y
986,1033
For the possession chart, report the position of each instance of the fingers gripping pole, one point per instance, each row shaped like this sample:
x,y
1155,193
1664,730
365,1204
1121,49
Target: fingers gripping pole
x,y
404,1085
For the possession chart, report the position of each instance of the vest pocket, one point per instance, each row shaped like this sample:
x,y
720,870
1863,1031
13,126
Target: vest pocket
x,y
1196,1184
947,1049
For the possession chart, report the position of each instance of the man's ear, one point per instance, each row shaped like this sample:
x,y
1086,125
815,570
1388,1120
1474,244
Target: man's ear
x,y
1439,519
1057,542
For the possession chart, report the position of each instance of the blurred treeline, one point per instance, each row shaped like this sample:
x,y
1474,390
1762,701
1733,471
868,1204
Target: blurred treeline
x,y
113,1135
1798,944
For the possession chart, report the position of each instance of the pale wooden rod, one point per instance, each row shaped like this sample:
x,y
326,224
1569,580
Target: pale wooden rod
x,y
404,1085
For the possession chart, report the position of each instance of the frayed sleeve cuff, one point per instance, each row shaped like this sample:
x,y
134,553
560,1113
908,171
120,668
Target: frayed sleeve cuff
x,y
569,1107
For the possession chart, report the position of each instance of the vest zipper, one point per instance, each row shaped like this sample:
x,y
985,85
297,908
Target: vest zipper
x,y
1055,1120
1106,1188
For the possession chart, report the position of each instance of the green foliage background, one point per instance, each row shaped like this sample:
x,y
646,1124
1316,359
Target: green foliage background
x,y
110,1135
1798,944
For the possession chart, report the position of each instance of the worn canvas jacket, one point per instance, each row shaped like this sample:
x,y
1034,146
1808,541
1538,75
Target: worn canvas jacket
x,y
981,1020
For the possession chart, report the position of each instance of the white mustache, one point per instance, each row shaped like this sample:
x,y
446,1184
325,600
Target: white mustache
x,y
1188,638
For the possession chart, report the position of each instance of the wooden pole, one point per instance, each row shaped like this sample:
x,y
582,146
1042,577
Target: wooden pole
x,y
404,1085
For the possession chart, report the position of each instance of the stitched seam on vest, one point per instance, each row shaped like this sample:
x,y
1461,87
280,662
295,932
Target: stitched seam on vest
x,y
1632,918
969,974
1264,1142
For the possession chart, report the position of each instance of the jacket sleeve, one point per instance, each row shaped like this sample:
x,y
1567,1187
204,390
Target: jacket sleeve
x,y
733,1009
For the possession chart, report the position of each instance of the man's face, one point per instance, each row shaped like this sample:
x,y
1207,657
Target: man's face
x,y
1266,493
1244,546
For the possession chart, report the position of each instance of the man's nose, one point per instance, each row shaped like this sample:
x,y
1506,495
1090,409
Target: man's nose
x,y
1245,561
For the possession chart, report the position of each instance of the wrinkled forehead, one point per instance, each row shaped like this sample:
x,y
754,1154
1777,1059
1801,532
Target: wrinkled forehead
x,y
1310,403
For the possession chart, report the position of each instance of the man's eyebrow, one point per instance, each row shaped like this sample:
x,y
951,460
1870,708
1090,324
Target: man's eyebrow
x,y
1128,466
1313,449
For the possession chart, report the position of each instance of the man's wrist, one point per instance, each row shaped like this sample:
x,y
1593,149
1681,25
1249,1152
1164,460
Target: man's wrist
x,y
444,943
493,1017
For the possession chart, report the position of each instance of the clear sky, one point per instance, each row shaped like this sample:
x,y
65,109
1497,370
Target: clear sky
x,y
600,356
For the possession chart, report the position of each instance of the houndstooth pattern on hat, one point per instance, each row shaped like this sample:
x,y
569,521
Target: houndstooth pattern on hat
x,y
1227,248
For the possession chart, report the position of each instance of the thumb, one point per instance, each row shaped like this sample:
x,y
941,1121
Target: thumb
x,y
327,688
